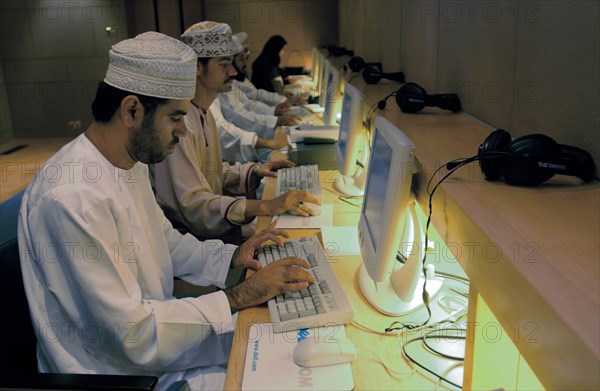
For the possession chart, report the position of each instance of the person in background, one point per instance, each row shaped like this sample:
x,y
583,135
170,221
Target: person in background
x,y
238,144
193,185
99,257
266,72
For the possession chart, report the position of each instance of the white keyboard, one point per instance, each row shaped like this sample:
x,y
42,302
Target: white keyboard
x,y
323,303
304,177
301,111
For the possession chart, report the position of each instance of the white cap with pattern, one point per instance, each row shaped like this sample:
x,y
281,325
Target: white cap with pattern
x,y
153,64
209,39
237,45
242,36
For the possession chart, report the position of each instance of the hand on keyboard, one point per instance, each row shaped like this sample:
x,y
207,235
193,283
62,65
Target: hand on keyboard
x,y
270,168
288,118
243,257
285,275
293,201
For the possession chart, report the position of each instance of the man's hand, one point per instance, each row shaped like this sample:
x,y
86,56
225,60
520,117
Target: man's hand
x,y
270,168
289,119
292,200
297,100
243,256
282,107
285,275
279,141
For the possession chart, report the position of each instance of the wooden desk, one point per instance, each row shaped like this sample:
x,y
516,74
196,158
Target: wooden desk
x,y
530,252
367,371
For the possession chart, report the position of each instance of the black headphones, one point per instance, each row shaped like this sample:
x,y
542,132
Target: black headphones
x,y
412,98
532,159
356,64
372,74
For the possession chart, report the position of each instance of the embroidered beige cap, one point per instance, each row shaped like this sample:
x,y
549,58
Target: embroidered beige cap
x,y
153,64
209,39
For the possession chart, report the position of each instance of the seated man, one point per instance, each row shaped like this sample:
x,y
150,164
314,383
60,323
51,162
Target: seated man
x,y
250,113
243,146
240,62
194,185
99,257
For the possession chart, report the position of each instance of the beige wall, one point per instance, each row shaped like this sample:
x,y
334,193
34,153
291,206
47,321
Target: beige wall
x,y
525,66
303,24
6,127
54,53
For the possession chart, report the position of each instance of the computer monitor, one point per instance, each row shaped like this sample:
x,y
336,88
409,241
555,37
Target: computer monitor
x,y
322,85
314,65
333,97
353,144
388,221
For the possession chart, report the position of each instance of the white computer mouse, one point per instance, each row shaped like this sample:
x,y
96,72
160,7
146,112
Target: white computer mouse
x,y
313,352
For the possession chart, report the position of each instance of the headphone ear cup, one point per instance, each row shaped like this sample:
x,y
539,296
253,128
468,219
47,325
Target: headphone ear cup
x,y
495,142
356,64
519,169
411,98
371,74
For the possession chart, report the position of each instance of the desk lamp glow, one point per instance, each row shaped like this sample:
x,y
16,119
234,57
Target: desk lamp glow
x,y
353,144
387,221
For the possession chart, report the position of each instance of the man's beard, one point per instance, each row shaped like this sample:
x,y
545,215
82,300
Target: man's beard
x,y
146,146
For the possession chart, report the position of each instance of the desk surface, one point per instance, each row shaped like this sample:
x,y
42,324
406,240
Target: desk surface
x,y
367,371
531,252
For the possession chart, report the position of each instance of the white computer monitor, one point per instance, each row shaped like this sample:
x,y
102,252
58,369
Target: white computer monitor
x,y
389,223
314,64
353,144
333,97
323,78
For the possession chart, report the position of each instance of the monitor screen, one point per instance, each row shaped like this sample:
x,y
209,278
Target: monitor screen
x,y
353,144
378,178
323,82
332,97
388,219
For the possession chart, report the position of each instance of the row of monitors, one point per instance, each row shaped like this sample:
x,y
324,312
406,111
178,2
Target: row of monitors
x,y
378,166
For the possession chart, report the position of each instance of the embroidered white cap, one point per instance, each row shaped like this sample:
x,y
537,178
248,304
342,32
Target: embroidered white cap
x,y
243,37
153,64
209,39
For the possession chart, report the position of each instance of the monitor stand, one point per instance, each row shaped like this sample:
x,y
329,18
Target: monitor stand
x,y
347,186
401,290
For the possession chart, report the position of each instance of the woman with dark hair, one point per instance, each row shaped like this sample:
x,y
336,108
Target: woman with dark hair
x,y
266,73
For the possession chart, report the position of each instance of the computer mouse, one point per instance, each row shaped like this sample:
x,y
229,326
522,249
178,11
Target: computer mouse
x,y
313,352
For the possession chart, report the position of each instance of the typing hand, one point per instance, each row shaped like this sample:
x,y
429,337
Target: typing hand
x,y
243,256
282,107
270,168
298,100
289,118
285,275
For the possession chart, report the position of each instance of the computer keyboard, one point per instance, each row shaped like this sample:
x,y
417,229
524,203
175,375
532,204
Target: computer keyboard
x,y
301,111
323,303
304,177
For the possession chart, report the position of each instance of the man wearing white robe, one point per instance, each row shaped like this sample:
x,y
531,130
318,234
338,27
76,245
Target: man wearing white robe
x,y
98,256
195,187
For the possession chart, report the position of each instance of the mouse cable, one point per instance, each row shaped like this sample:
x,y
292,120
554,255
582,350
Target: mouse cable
x,y
454,337
447,371
387,367
414,362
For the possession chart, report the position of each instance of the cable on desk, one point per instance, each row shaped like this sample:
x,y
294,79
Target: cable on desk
x,y
344,199
414,362
447,371
455,337
387,367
